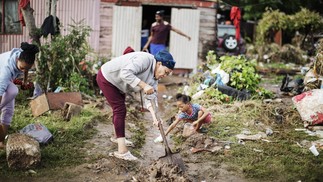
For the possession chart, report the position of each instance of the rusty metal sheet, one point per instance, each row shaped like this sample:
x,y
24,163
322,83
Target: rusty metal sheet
x,y
57,100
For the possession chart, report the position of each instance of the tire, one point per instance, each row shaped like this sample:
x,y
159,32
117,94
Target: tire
x,y
230,43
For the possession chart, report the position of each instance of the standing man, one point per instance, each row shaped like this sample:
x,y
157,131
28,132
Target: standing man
x,y
159,31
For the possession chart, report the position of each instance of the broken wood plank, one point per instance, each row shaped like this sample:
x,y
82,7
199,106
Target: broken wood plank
x,y
39,105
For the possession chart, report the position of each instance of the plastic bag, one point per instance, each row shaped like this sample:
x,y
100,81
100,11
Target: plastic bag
x,y
39,132
310,106
188,130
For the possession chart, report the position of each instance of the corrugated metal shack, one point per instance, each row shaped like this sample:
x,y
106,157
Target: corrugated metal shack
x,y
117,24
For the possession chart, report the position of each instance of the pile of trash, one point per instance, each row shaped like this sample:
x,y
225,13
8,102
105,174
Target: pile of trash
x,y
273,53
232,76
309,100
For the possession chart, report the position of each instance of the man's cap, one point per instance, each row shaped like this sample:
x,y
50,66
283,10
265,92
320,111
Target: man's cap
x,y
166,59
160,12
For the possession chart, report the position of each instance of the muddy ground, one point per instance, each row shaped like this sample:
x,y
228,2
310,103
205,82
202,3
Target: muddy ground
x,y
101,167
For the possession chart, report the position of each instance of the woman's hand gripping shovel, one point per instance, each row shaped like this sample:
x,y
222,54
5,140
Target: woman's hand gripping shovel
x,y
172,158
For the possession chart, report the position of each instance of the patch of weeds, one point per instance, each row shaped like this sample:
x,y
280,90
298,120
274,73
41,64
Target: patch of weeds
x,y
178,139
272,79
276,65
138,132
280,160
64,150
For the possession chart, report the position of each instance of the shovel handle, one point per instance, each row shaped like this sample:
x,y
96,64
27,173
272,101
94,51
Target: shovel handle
x,y
160,126
142,102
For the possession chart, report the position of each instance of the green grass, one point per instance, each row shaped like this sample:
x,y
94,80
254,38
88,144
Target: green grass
x,y
69,137
280,160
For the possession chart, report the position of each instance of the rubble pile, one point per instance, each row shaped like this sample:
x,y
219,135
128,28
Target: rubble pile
x,y
161,172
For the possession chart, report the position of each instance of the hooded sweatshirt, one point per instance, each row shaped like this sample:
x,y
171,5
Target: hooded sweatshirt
x,y
8,68
126,71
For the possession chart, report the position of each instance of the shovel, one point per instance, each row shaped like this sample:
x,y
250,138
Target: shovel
x,y
172,158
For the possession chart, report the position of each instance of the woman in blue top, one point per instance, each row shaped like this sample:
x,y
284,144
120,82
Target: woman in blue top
x,y
188,112
13,64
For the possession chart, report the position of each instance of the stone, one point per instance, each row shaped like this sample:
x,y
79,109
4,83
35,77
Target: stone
x,y
23,151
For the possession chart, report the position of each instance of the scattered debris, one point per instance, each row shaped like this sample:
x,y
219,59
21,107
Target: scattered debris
x,y
39,132
161,172
69,110
257,136
310,106
257,150
54,101
314,150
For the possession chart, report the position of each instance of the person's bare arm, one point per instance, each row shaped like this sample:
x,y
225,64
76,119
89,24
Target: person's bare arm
x,y
172,126
205,113
146,88
181,33
145,48
153,114
25,80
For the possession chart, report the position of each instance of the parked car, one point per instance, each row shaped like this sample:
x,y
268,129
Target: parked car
x,y
228,43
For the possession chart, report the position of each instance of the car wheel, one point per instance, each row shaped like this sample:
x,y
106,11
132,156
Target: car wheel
x,y
230,43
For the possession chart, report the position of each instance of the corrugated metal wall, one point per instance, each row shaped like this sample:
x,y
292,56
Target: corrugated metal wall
x,y
106,16
67,11
126,29
185,52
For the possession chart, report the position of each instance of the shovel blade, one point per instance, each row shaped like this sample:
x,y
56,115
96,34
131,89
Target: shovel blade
x,y
174,159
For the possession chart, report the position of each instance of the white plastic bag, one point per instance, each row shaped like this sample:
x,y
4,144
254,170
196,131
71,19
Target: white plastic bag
x,y
310,106
188,130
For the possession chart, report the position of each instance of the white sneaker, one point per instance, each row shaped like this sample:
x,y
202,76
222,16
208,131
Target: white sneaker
x,y
128,143
126,156
159,139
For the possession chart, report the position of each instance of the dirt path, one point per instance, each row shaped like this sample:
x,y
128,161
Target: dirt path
x,y
106,168
101,167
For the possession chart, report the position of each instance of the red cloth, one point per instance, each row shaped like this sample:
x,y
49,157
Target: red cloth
x,y
128,50
22,5
235,16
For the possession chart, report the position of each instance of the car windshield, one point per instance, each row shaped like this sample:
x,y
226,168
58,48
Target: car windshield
x,y
222,30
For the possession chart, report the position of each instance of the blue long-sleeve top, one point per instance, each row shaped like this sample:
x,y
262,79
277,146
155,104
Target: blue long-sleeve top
x,y
8,68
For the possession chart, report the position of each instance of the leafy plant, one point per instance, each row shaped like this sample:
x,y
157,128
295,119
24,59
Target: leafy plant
x,y
272,21
306,21
59,60
242,72
214,93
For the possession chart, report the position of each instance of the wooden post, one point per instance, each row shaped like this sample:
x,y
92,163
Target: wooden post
x,y
29,18
48,7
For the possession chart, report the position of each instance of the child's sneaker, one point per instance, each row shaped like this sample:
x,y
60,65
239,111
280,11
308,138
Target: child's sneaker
x,y
159,139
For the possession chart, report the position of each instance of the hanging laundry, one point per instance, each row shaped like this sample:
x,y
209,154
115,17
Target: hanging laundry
x,y
48,26
22,5
235,16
